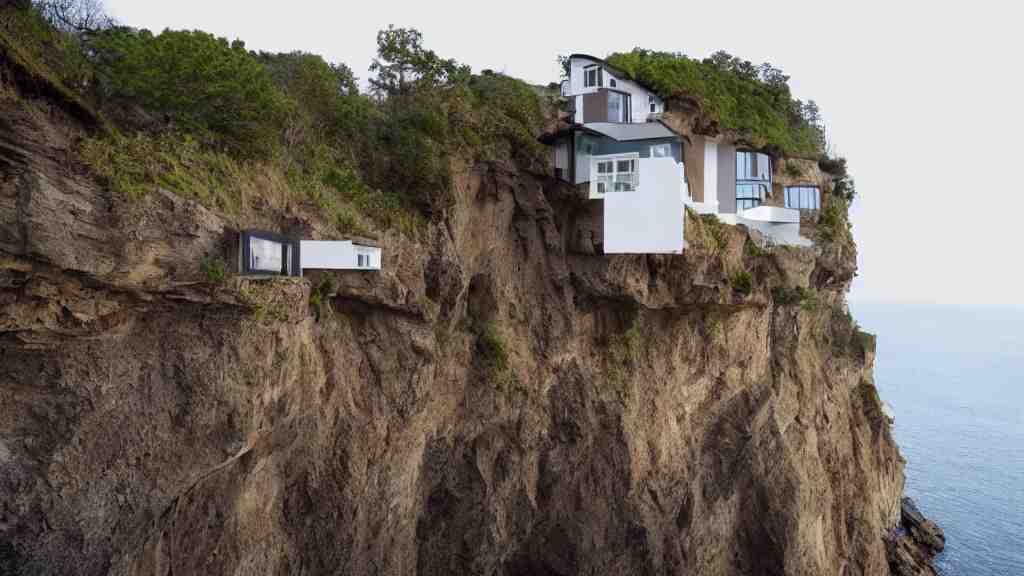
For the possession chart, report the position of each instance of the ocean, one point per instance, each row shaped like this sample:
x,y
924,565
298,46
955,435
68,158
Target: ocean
x,y
954,380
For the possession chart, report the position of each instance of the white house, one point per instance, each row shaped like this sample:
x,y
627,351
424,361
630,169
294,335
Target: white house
x,y
617,146
597,92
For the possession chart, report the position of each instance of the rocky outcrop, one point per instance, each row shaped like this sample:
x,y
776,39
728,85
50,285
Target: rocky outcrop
x,y
495,401
913,545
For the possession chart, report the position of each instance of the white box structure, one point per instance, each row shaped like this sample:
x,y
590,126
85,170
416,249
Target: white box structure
x,y
339,255
650,219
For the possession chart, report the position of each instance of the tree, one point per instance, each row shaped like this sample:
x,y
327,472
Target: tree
x,y
75,15
402,63
197,81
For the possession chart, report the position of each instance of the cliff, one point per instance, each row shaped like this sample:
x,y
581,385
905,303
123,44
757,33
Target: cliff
x,y
496,401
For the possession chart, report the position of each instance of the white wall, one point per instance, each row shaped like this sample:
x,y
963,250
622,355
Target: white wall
x,y
337,255
639,106
650,220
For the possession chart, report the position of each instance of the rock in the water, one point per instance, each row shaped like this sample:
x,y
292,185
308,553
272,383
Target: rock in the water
x,y
912,547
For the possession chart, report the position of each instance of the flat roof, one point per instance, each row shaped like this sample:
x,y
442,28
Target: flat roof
x,y
627,132
620,132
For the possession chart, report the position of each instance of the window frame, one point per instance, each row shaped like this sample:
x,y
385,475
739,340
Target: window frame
x,y
813,201
663,146
759,187
598,76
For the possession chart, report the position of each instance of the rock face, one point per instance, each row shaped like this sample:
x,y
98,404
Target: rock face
x,y
644,417
913,545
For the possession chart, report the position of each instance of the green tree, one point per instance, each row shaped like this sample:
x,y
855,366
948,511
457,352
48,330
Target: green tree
x,y
402,62
197,82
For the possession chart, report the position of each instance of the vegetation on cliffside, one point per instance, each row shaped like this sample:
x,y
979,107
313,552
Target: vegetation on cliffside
x,y
753,101
230,127
211,119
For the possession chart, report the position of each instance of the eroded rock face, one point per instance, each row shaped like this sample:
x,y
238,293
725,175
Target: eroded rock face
x,y
651,420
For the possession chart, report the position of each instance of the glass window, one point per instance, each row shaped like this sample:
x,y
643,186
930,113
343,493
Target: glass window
x,y
618,107
753,178
590,77
611,82
803,197
661,151
604,167
266,255
652,103
617,175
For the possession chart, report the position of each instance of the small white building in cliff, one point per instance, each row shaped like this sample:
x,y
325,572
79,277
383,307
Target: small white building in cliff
x,y
262,253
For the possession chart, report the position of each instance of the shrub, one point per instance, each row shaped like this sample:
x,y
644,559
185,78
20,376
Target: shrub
x,y
491,346
201,83
752,100
214,269
843,185
833,225
742,282
807,298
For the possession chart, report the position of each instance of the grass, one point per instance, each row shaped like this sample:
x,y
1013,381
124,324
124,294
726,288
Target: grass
x,y
214,269
492,348
742,282
319,296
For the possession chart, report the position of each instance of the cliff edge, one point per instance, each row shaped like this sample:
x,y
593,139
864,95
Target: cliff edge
x,y
498,400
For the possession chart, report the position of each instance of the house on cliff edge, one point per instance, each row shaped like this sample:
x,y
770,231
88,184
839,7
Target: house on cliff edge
x,y
616,145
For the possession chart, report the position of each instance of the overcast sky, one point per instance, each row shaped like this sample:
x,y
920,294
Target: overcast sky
x,y
924,98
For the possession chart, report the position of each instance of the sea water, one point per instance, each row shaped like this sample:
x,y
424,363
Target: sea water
x,y
954,380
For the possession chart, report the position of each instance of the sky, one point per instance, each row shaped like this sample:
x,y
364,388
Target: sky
x,y
924,99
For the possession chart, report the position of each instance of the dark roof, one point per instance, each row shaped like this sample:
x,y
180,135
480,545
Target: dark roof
x,y
634,131
615,70
620,132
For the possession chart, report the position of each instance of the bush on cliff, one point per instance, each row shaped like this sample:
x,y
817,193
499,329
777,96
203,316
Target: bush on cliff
x,y
754,101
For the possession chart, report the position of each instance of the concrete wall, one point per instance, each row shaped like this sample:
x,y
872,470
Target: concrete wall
x,y
338,255
726,179
650,220
639,105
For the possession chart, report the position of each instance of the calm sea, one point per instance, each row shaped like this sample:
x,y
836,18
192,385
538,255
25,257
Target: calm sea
x,y
954,379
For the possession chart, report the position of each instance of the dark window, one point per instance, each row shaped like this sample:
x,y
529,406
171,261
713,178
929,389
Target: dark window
x,y
591,77
618,107
267,253
803,197
753,178
611,82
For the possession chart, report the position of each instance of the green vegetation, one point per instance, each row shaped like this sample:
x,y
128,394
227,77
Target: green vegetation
x,y
707,230
491,347
833,224
806,298
755,250
754,101
320,295
742,282
214,269
843,185
209,119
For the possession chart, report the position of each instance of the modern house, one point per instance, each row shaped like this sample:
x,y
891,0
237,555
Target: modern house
x,y
645,173
262,253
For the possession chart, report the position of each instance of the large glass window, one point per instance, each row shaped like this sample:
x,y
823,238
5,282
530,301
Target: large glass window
x,y
618,107
266,255
803,197
591,77
753,178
